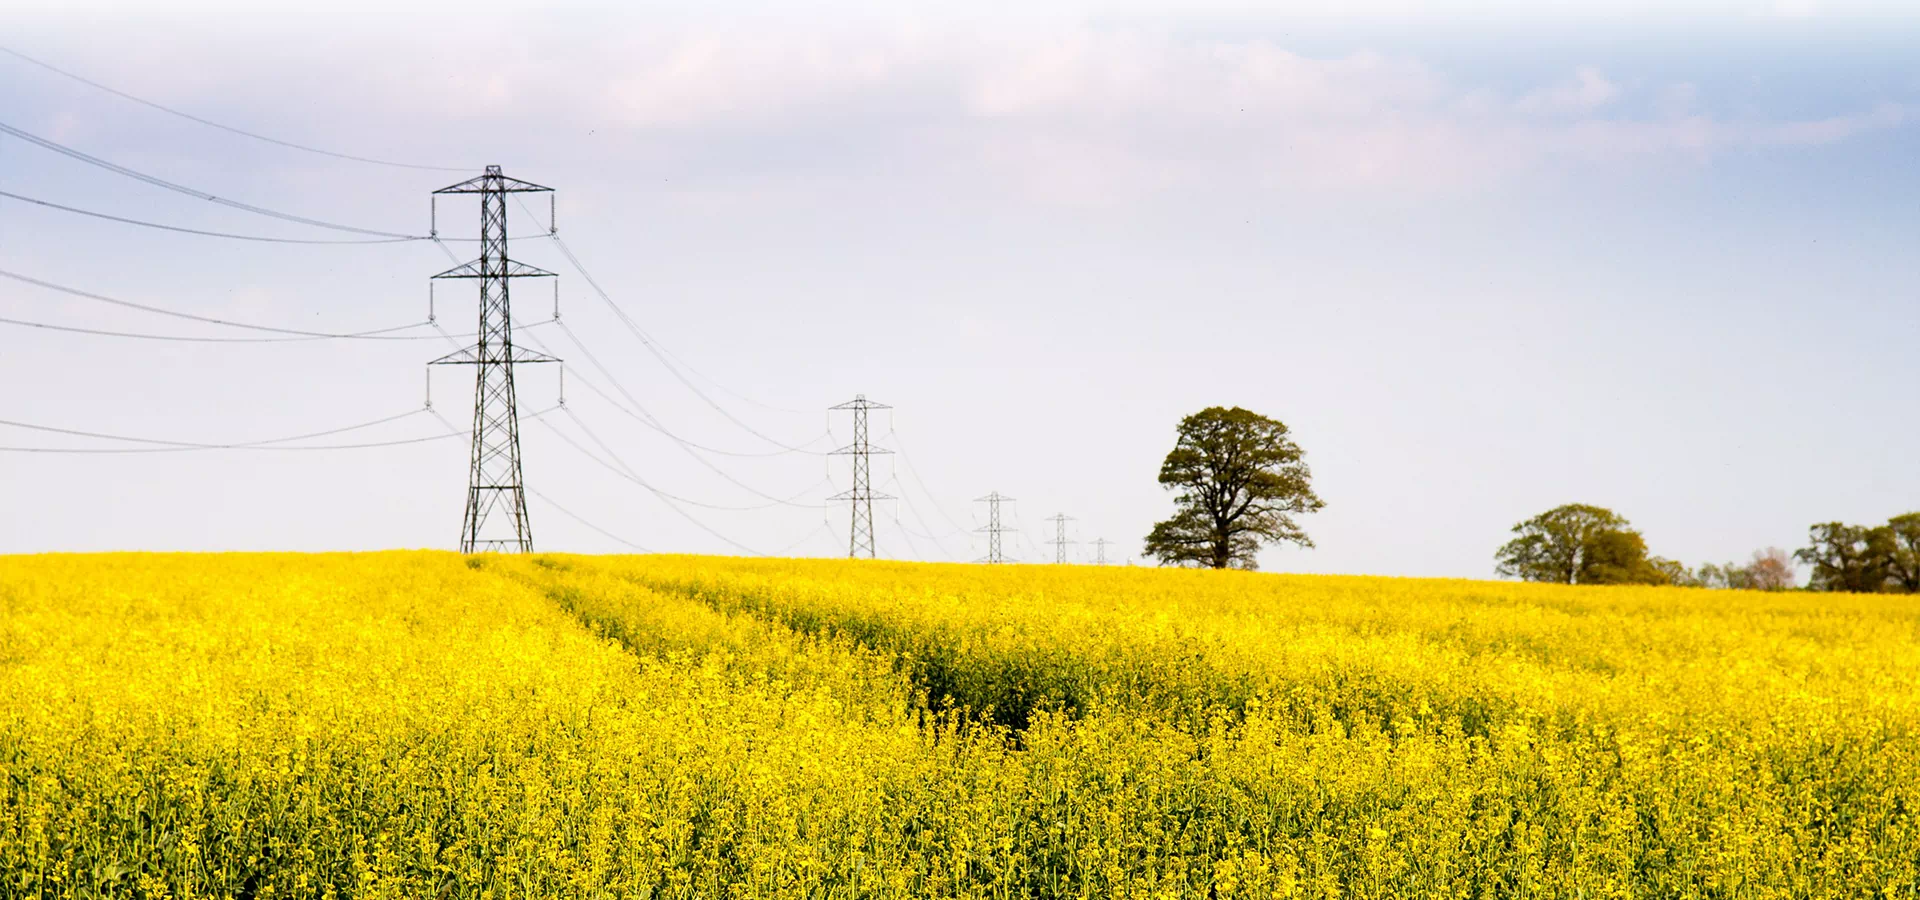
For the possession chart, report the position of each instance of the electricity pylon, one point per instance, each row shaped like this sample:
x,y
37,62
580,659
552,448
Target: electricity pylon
x,y
861,497
1060,541
494,484
1100,551
994,528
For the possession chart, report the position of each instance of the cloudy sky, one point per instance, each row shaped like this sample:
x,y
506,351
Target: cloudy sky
x,y
1654,257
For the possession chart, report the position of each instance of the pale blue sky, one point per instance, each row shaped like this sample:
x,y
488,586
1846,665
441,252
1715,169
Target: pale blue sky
x,y
1483,262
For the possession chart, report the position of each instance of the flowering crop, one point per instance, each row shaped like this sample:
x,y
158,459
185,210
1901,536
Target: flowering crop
x,y
423,725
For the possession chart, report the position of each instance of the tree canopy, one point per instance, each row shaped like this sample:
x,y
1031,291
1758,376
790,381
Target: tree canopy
x,y
1240,481
1857,558
1904,565
1580,544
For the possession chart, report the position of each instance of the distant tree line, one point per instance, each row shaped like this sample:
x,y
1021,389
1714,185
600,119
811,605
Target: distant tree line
x,y
1581,544
1239,481
1865,558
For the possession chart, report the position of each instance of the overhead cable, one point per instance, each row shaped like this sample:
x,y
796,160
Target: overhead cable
x,y
619,467
193,192
218,234
197,339
574,516
241,237
651,422
790,547
158,445
377,334
684,445
661,495
648,342
212,124
900,452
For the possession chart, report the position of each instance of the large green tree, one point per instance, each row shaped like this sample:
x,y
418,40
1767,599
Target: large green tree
x,y
1240,481
1905,567
1857,558
1580,544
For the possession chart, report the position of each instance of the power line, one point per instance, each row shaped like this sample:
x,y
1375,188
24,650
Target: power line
x,y
377,334
619,466
658,354
654,346
210,123
193,192
938,507
218,234
684,445
938,540
648,419
661,495
574,516
187,338
230,235
159,445
893,515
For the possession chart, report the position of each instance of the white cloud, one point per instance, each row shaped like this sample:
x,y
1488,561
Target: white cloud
x,y
1587,91
1072,111
1794,9
1084,112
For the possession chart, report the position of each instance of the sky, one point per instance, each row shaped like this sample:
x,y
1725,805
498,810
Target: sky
x,y
1482,260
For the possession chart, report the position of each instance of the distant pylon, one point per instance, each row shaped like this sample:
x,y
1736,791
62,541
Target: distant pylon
x,y
493,479
860,498
994,528
1100,551
1060,541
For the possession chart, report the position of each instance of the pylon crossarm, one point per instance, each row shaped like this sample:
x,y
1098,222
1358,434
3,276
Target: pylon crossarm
x,y
515,269
491,182
470,356
857,450
863,495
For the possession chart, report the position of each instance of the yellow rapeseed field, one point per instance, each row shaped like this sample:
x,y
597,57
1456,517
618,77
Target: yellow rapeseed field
x,y
423,725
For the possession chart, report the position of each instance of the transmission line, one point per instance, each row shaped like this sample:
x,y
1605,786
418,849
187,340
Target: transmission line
x,y
193,192
576,517
192,339
210,123
377,334
653,345
620,467
909,533
648,419
684,445
823,529
218,234
648,342
158,445
904,457
661,495
230,235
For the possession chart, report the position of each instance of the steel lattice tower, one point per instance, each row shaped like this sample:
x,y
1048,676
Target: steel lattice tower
x,y
861,497
1060,541
496,517
1100,551
994,528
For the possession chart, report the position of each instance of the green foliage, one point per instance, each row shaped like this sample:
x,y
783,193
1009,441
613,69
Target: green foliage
x,y
1241,480
1676,573
1904,566
1581,544
1853,558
